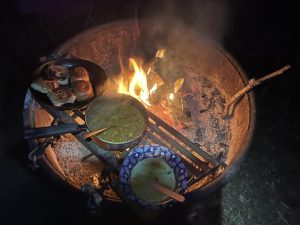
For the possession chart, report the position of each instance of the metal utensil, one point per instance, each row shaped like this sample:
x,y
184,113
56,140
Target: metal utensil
x,y
90,115
97,78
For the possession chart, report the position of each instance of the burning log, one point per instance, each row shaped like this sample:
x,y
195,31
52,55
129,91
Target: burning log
x,y
174,106
154,82
164,90
167,95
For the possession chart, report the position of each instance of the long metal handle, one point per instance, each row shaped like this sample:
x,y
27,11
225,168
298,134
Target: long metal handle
x,y
55,130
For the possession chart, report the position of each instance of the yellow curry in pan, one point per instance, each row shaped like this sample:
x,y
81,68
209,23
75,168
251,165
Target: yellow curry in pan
x,y
125,120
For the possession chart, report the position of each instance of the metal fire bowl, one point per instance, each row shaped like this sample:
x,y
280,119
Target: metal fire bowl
x,y
101,45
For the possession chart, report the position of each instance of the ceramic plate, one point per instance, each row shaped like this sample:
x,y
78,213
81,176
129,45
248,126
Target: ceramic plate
x,y
155,163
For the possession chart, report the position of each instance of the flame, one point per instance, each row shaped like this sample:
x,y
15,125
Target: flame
x,y
160,53
153,89
121,86
171,96
138,86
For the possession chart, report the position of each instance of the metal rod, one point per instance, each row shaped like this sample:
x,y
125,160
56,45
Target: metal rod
x,y
183,150
213,170
185,140
192,169
93,148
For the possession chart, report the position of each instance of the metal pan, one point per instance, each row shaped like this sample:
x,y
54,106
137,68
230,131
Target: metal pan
x,y
90,116
117,99
97,77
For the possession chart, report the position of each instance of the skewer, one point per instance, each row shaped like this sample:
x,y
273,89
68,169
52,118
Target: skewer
x,y
172,194
95,132
90,134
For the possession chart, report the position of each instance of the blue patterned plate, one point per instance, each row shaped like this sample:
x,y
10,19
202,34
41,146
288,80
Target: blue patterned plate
x,y
155,163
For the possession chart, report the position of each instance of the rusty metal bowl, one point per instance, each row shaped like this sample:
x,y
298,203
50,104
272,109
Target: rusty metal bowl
x,y
205,57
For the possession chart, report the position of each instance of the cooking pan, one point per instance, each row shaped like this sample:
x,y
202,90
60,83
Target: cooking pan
x,y
91,114
96,74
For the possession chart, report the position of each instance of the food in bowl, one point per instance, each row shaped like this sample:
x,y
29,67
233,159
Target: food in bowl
x,y
156,164
152,170
125,120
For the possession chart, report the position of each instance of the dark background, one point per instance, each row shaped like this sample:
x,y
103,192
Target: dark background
x,y
261,35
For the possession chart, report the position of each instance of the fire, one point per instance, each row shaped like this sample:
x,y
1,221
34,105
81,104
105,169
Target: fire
x,y
138,87
171,96
121,86
160,53
153,89
138,84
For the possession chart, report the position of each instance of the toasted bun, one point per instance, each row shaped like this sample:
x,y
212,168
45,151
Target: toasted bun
x,y
57,71
61,96
44,86
80,73
83,90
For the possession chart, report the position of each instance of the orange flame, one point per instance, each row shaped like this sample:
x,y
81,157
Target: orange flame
x,y
160,53
138,86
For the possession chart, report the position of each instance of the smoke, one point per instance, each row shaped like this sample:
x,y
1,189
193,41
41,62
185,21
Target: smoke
x,y
207,18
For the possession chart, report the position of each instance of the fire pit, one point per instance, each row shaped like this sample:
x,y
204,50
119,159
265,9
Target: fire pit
x,y
187,82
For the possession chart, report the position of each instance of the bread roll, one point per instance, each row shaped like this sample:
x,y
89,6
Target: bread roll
x,y
57,72
83,90
61,96
80,73
44,86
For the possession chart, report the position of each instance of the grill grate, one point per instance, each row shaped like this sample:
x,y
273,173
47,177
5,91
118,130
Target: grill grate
x,y
199,163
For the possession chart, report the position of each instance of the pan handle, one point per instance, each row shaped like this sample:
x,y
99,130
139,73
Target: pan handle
x,y
55,130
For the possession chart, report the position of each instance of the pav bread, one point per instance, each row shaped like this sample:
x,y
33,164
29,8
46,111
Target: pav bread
x,y
44,86
58,72
61,96
79,73
83,90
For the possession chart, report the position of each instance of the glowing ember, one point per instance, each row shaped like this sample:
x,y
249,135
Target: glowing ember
x,y
171,96
160,53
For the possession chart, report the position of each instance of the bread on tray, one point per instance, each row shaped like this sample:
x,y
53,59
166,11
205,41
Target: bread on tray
x,y
83,90
61,95
63,87
79,73
44,86
60,73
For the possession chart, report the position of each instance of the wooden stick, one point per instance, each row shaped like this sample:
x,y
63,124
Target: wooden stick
x,y
90,134
172,194
229,106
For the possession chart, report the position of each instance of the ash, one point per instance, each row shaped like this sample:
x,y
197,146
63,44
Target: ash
x,y
204,104
69,152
